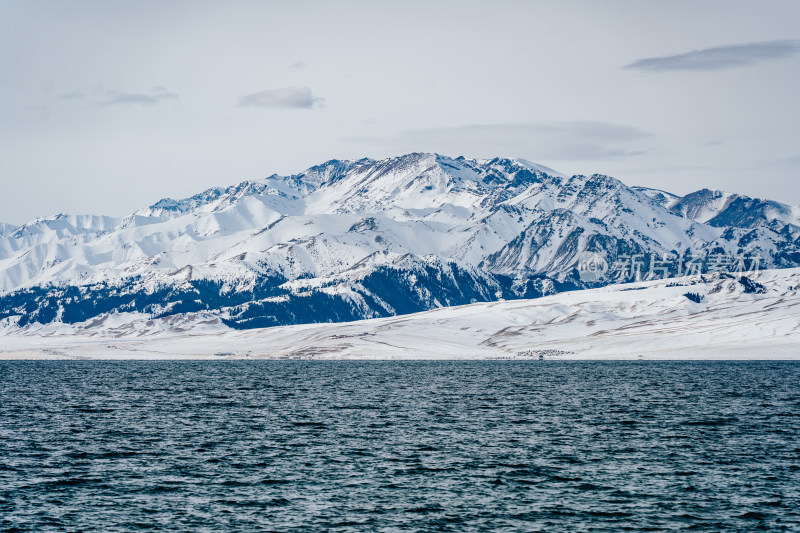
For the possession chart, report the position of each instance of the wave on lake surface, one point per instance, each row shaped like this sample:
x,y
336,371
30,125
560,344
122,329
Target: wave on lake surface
x,y
408,446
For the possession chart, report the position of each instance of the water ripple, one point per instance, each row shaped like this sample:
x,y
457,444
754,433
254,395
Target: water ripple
x,y
399,446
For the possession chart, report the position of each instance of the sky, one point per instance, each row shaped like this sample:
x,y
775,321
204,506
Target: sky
x,y
108,106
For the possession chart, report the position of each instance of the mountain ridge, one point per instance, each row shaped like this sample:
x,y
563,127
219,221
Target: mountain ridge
x,y
345,240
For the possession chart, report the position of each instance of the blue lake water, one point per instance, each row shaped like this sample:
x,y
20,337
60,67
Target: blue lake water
x,y
399,446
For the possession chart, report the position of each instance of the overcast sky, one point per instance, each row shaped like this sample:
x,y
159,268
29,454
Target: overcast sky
x,y
106,107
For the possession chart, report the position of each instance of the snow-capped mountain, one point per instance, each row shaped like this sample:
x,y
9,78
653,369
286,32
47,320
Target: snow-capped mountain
x,y
356,239
720,208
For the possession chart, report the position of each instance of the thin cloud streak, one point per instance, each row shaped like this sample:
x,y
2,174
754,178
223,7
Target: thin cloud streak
x,y
284,97
561,141
157,94
132,98
162,93
719,58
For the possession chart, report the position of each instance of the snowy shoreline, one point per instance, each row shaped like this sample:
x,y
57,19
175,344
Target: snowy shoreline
x,y
657,321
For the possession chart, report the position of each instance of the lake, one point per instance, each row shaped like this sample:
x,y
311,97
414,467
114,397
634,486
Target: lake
x,y
399,446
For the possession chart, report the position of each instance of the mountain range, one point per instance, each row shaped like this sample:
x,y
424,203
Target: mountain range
x,y
348,240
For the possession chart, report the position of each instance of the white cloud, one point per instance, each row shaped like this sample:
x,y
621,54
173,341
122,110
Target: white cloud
x,y
284,97
721,57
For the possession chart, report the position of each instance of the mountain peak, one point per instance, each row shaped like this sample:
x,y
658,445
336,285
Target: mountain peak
x,y
541,168
329,171
352,239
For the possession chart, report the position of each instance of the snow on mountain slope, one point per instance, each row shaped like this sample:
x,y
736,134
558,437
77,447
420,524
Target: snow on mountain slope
x,y
367,238
663,198
6,228
586,213
307,224
703,205
539,168
747,318
720,208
